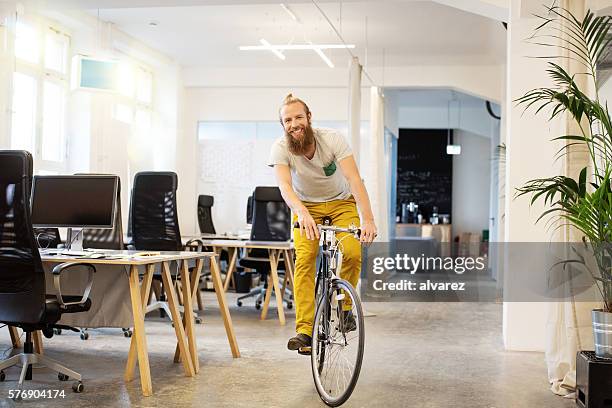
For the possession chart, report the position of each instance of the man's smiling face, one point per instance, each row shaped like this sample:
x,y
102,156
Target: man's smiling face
x,y
295,119
298,132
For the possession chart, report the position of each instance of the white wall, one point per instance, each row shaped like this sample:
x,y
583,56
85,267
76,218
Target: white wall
x,y
228,94
482,81
242,104
471,183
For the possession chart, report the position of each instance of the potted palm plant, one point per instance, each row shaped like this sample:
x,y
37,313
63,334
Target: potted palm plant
x,y
585,202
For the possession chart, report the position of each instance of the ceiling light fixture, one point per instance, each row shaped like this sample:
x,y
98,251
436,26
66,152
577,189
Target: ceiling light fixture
x,y
274,50
293,47
291,13
324,57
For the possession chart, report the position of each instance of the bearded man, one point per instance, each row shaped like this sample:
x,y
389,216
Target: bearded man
x,y
306,162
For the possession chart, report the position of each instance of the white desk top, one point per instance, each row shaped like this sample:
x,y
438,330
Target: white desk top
x,y
232,243
114,257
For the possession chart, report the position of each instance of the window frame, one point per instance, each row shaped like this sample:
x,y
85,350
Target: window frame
x,y
41,75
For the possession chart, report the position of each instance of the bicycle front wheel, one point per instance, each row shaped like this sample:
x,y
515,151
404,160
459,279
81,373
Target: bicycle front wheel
x,y
337,344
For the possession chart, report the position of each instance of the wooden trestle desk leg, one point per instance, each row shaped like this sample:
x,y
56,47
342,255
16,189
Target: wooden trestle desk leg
x,y
274,284
288,281
176,319
138,345
15,341
187,290
227,319
229,277
38,342
195,279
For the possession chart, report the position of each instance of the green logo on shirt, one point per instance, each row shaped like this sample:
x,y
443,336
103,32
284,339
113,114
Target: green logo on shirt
x,y
330,169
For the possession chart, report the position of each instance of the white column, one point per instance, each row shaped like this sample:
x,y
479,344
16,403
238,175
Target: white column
x,y
377,185
354,111
529,155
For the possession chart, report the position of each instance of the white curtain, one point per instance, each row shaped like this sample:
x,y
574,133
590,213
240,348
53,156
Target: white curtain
x,y
7,65
377,186
354,111
568,324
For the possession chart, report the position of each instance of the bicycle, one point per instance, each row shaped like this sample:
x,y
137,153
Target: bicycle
x,y
337,344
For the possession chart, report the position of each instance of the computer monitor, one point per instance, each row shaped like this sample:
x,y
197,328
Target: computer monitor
x,y
74,202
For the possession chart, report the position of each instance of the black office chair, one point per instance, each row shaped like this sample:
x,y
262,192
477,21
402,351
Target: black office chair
x,y
271,222
24,302
205,221
154,220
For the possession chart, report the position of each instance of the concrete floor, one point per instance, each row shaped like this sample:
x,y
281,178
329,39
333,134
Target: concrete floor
x,y
417,355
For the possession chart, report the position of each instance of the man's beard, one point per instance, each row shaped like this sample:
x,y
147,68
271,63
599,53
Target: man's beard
x,y
299,147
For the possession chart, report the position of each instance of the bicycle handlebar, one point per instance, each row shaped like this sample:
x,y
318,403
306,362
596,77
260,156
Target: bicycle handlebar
x,y
356,231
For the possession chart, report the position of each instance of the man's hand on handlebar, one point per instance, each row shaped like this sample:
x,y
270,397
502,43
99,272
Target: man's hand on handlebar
x,y
307,225
368,232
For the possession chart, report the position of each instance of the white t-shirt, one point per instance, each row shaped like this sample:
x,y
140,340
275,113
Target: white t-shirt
x,y
320,178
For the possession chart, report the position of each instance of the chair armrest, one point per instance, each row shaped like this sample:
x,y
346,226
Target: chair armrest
x,y
57,271
199,244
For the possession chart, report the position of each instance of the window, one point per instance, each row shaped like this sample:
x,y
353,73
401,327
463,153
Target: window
x,y
53,123
27,43
134,104
56,51
24,112
40,86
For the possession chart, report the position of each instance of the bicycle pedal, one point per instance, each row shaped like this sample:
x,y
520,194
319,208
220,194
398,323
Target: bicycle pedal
x,y
305,351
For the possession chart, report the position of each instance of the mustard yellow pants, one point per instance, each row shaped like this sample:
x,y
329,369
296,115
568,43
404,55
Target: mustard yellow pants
x,y
342,213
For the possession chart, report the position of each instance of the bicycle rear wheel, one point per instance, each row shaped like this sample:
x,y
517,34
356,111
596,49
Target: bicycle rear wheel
x,y
337,344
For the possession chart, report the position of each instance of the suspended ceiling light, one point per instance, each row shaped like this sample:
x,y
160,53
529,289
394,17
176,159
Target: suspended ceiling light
x,y
291,13
267,46
276,49
294,47
451,148
324,57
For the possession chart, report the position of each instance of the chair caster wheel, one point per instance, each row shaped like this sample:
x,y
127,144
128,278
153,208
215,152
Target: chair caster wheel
x,y
62,377
289,305
57,332
77,387
239,303
84,336
2,376
198,320
127,333
257,306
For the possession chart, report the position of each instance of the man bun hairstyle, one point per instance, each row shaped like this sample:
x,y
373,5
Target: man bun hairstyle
x,y
290,99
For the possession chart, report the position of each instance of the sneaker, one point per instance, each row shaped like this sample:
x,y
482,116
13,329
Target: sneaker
x,y
349,321
300,341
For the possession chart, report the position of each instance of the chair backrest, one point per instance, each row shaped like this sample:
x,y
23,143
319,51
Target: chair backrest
x,y
106,238
271,216
47,237
22,278
205,203
249,210
153,209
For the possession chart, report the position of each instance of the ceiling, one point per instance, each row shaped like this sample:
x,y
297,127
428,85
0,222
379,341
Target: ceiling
x,y
397,33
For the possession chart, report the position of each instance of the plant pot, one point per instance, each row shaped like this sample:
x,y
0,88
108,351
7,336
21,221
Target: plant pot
x,y
602,333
